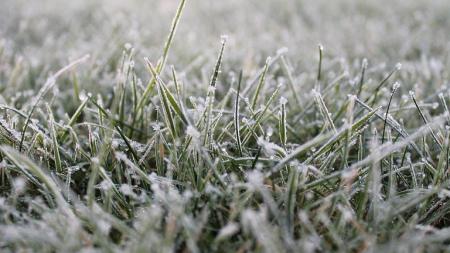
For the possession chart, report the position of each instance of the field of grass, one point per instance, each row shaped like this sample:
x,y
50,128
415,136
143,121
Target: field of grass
x,y
224,126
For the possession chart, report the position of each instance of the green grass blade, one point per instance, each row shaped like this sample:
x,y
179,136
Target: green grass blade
x,y
236,116
53,134
261,82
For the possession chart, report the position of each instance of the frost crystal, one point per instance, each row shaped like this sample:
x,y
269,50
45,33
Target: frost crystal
x,y
19,185
224,38
193,132
126,190
105,185
255,177
128,46
282,50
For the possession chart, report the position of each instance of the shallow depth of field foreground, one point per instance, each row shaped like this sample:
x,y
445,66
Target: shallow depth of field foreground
x,y
224,126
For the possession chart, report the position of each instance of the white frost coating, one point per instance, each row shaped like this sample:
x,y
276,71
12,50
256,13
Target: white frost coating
x,y
95,160
269,148
352,96
269,131
128,46
255,177
210,189
156,127
365,62
282,50
105,185
283,100
126,190
315,93
82,95
228,230
444,194
193,132
398,66
349,174
211,89
412,93
396,85
103,226
114,144
347,214
19,184
248,122
224,38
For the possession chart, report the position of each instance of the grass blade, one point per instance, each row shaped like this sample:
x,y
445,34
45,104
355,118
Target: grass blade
x,y
236,116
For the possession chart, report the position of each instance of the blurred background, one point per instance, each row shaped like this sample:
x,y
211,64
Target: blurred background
x,y
380,30
39,37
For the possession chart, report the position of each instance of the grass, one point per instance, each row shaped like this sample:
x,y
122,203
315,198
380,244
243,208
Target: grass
x,y
215,145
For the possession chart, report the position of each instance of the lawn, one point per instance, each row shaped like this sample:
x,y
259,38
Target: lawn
x,y
224,126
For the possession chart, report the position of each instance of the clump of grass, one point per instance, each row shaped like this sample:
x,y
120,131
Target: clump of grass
x,y
207,160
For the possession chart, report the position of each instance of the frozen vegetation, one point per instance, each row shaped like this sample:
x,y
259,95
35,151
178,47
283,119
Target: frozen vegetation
x,y
224,126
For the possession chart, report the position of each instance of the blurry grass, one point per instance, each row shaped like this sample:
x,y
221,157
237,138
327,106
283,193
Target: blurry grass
x,y
236,153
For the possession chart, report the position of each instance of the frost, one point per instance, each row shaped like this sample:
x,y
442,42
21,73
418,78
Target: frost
x,y
228,230
211,89
255,177
270,148
193,132
115,144
347,214
209,189
82,96
315,93
95,160
365,62
282,50
269,132
103,226
156,127
173,193
20,185
127,190
224,38
249,122
320,47
105,185
128,46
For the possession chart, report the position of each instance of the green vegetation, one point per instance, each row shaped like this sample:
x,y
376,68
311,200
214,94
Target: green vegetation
x,y
122,133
